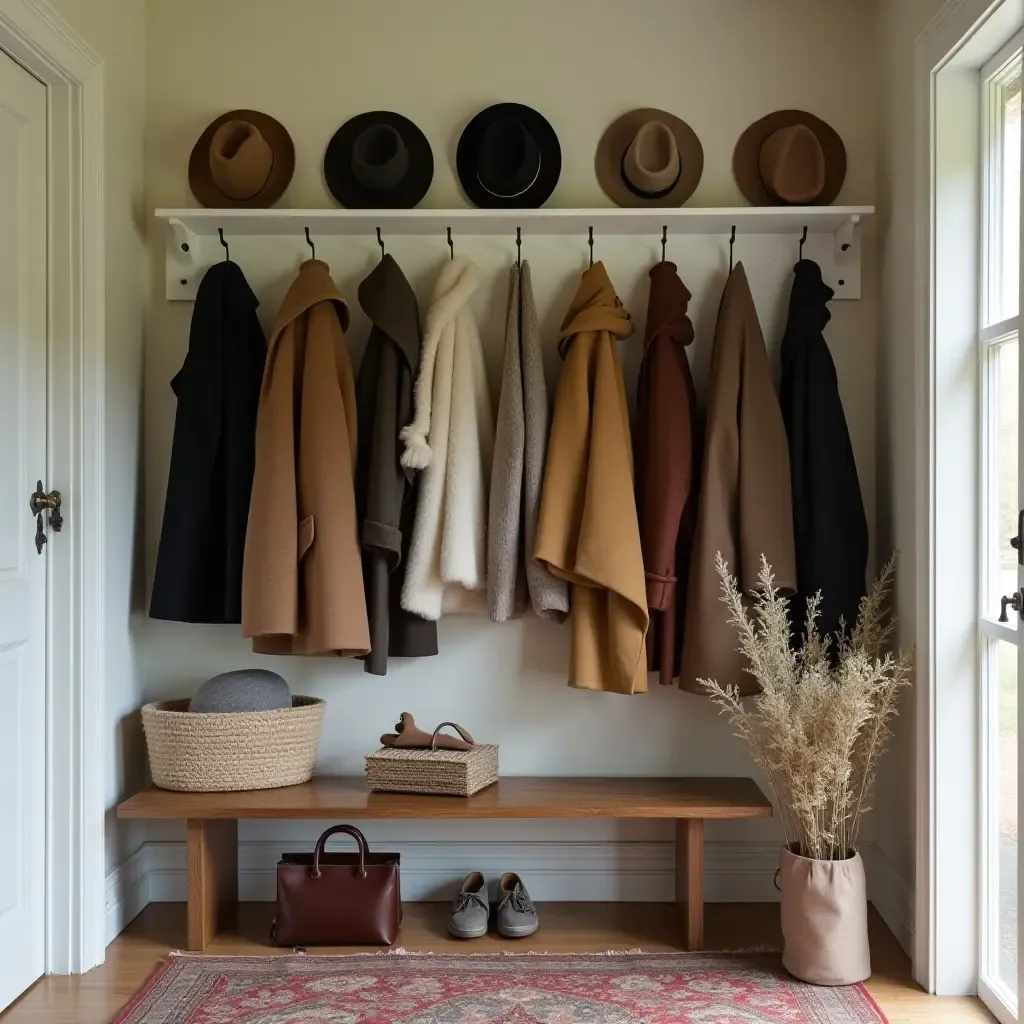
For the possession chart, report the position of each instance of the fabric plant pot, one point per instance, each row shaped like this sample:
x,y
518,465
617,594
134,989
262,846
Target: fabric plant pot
x,y
824,919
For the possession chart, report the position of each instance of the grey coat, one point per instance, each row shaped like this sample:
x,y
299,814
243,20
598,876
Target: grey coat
x,y
520,449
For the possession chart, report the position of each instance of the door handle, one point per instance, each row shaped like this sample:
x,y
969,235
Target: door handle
x,y
41,501
1015,601
1016,542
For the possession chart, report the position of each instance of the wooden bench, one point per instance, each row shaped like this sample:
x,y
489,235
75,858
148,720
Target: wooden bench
x,y
212,823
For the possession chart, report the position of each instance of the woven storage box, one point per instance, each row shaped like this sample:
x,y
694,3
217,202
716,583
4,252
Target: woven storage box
x,y
438,772
213,753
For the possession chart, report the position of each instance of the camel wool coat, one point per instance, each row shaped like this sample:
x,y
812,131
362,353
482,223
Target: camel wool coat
x,y
745,507
587,532
302,582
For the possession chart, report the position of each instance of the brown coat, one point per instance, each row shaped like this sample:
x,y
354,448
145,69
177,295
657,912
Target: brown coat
x,y
302,584
666,446
587,529
745,506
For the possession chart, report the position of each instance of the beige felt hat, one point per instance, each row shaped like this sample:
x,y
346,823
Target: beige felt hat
x,y
790,158
244,158
649,157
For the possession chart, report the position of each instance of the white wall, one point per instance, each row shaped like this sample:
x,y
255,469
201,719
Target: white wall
x,y
314,64
899,26
116,30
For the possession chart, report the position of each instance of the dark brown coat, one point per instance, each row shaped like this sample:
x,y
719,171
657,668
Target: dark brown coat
x,y
666,443
385,490
745,507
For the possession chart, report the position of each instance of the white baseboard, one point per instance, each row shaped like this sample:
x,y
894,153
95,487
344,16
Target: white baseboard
x,y
607,871
892,896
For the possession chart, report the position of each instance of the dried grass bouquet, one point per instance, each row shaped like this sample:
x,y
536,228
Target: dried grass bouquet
x,y
821,721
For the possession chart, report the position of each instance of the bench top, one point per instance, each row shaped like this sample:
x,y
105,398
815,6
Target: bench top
x,y
513,797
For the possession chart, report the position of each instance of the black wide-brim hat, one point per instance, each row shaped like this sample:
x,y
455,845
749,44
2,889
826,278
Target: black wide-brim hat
x,y
508,157
378,160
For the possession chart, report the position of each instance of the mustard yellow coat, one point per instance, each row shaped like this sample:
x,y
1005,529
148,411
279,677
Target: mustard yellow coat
x,y
587,531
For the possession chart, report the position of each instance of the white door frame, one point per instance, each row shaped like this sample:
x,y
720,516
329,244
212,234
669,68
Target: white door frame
x,y
949,52
38,38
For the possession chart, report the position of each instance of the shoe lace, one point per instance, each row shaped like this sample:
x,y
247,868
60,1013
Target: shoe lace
x,y
519,901
467,899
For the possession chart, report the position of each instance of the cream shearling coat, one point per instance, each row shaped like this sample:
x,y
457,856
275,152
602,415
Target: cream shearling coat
x,y
451,439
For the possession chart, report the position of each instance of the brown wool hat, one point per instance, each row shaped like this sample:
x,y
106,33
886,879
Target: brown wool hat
x,y
244,158
649,157
790,158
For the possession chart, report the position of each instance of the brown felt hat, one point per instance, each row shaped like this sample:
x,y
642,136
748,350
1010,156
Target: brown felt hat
x,y
244,158
790,158
649,157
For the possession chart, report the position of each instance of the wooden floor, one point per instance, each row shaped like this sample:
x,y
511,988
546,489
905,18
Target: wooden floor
x,y
96,997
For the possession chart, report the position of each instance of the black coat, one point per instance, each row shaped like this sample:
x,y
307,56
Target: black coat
x,y
385,490
829,523
199,562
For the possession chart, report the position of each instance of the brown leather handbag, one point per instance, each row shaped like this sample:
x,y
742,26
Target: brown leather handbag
x,y
337,899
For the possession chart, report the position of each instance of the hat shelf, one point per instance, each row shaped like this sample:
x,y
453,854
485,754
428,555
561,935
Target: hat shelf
x,y
833,240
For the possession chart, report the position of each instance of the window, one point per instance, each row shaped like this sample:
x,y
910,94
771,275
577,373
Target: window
x,y
1001,500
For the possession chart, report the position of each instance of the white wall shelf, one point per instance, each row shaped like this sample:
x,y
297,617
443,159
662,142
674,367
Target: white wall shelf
x,y
833,238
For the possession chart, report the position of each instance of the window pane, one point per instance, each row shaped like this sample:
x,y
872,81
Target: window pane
x,y
1003,433
1009,299
1006,810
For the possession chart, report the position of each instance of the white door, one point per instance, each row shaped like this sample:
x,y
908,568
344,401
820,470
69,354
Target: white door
x,y
23,340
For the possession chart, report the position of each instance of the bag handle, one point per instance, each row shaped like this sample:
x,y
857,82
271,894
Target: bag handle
x,y
350,830
466,738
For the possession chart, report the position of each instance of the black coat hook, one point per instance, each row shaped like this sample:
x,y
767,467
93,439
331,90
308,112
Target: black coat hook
x,y
227,251
803,238
519,248
380,242
732,241
664,241
591,244
312,247
451,245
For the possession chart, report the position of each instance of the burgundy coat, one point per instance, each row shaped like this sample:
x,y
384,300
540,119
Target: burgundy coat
x,y
666,446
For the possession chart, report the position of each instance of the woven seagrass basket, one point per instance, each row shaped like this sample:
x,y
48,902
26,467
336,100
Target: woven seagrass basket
x,y
437,772
214,753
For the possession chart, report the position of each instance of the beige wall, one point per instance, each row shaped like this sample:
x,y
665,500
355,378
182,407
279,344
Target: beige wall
x,y
315,63
116,30
899,25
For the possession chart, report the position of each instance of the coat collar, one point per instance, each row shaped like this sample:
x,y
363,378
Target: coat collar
x,y
388,300
666,308
808,312
595,307
312,285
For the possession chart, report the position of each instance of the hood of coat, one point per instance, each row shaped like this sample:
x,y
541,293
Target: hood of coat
x,y
808,309
228,277
455,284
595,307
313,284
666,307
388,300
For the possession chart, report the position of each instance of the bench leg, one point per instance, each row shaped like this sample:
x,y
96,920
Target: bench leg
x,y
690,879
212,878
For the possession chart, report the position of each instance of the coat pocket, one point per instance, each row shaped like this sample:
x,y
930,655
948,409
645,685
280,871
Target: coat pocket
x,y
306,533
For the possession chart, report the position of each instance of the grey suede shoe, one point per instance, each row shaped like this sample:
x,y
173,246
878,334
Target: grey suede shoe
x,y
517,916
470,909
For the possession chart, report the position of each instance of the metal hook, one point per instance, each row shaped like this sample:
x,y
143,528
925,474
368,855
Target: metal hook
x,y
451,246
309,242
732,240
803,238
227,251
519,248
591,244
664,241
380,242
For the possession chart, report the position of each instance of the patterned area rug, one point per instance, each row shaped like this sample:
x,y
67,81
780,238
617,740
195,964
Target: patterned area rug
x,y
615,988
